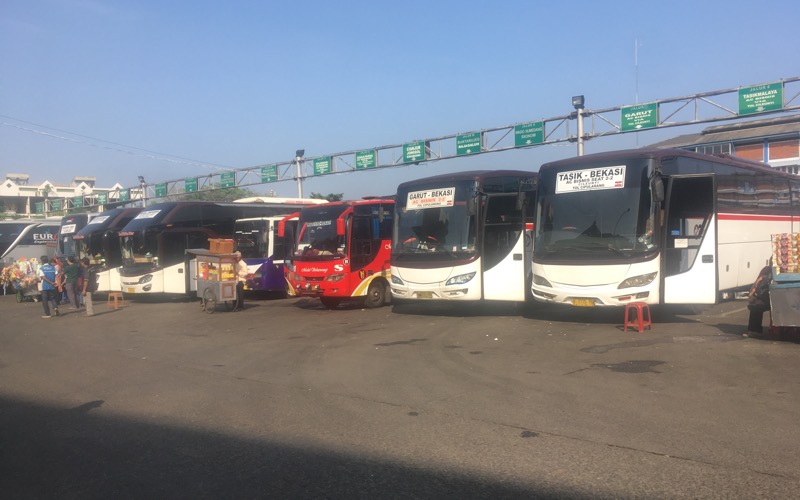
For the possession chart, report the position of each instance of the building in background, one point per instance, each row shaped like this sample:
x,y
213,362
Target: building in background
x,y
775,141
19,197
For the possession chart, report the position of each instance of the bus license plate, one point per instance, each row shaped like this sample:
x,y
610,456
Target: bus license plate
x,y
583,302
424,295
130,290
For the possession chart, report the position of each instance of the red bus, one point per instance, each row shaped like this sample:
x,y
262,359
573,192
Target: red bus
x,y
342,251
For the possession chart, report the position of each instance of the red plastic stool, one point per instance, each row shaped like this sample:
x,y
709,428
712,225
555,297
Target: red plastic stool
x,y
639,321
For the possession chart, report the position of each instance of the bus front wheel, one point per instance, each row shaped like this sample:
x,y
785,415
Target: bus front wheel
x,y
376,295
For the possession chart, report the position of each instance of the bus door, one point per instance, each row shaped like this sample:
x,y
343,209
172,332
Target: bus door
x,y
690,257
173,245
503,248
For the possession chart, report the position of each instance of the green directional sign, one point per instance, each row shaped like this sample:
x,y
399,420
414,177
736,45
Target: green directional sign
x,y
366,159
638,117
415,152
468,144
227,179
125,195
102,199
77,201
161,190
190,185
56,205
269,174
528,134
761,98
322,165
39,207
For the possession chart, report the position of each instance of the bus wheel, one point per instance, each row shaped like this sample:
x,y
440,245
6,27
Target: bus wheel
x,y
330,302
209,301
376,295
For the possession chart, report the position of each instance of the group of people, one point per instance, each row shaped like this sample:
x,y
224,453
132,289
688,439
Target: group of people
x,y
76,277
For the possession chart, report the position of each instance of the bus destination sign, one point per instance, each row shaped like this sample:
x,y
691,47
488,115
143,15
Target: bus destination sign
x,y
591,179
434,198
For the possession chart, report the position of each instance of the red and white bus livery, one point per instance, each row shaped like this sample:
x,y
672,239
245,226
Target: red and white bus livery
x,y
342,251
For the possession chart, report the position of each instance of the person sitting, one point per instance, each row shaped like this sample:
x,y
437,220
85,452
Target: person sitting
x,y
758,302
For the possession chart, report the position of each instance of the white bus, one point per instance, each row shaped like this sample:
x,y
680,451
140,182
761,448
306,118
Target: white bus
x,y
154,243
27,238
70,225
463,236
657,226
99,242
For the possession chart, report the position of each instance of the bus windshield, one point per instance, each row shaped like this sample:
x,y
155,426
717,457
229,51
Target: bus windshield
x,y
435,224
318,238
580,218
252,238
9,232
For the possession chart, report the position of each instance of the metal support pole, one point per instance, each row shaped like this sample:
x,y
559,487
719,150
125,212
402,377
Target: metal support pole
x,y
299,178
580,131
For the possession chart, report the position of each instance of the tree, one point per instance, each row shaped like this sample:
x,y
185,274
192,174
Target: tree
x,y
329,196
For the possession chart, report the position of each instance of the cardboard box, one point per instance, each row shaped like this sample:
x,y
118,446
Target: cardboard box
x,y
217,245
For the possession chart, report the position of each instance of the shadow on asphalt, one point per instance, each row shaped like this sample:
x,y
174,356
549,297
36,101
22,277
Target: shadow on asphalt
x,y
51,452
537,311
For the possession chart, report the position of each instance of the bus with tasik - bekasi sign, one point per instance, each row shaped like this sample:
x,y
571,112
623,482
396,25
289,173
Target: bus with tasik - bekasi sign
x,y
661,226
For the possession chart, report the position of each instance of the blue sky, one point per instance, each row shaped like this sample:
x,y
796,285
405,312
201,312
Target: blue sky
x,y
167,90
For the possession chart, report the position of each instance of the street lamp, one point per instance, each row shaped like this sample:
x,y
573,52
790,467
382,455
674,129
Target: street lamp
x,y
143,186
578,102
298,157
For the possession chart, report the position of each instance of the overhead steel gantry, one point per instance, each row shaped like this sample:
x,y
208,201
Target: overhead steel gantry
x,y
776,97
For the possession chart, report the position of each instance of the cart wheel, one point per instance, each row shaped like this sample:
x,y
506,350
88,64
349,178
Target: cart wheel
x,y
20,297
228,305
209,301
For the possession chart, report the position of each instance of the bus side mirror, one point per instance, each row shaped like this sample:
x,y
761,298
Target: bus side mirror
x,y
472,204
521,196
340,230
657,188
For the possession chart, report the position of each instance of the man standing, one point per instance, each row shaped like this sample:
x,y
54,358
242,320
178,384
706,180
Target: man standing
x,y
71,271
47,274
241,277
89,285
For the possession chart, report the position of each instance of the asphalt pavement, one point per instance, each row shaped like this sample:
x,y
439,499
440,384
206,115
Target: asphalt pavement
x,y
289,400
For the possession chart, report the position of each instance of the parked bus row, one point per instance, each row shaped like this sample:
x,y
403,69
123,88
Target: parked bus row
x,y
658,226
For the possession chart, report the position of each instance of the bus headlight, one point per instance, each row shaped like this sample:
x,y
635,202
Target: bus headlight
x,y
460,279
641,280
147,278
335,277
539,280
396,280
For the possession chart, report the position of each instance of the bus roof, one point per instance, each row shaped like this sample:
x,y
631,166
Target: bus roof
x,y
477,175
283,201
107,219
663,154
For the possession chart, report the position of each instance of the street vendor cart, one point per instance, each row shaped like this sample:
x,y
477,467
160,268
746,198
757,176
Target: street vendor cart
x,y
26,290
216,279
784,300
784,288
